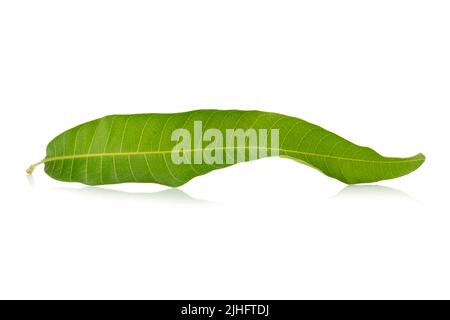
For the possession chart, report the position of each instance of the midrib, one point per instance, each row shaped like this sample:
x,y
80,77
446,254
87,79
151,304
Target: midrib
x,y
156,152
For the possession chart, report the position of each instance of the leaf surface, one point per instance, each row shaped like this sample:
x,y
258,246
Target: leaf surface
x,y
138,148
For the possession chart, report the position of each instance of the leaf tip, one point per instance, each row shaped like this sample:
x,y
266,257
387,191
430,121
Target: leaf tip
x,y
415,163
420,158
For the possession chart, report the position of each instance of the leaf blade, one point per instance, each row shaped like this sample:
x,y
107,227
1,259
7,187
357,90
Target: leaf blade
x,y
137,148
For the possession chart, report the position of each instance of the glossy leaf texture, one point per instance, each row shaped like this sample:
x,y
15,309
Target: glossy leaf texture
x,y
138,147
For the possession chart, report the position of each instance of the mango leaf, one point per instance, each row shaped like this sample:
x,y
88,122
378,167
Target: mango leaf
x,y
171,149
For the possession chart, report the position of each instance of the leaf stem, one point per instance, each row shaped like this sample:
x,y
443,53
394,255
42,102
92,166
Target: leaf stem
x,y
33,166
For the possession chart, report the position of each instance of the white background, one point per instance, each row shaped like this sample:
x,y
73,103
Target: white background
x,y
375,72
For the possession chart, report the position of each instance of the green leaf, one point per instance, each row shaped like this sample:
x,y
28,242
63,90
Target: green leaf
x,y
140,148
